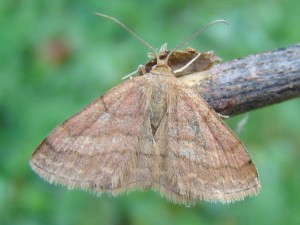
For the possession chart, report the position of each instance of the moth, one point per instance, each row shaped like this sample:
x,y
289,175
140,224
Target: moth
x,y
151,131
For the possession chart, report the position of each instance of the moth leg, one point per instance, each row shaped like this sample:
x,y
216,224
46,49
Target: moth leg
x,y
223,116
140,71
188,64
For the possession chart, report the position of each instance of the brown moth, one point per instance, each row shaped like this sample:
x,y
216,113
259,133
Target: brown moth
x,y
150,131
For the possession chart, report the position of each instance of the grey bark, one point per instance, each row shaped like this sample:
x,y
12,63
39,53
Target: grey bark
x,y
249,83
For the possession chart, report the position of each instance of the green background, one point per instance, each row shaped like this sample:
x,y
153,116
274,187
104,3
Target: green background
x,y
56,57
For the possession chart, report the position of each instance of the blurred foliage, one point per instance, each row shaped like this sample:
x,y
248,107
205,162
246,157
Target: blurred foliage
x,y
56,57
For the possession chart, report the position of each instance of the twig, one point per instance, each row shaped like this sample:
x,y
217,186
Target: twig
x,y
249,83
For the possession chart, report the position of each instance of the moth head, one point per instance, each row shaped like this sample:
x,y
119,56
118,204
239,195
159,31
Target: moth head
x,y
162,68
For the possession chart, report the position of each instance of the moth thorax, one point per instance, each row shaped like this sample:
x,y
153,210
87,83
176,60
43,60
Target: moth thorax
x,y
163,70
158,104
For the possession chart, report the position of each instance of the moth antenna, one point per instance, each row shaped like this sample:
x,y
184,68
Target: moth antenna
x,y
130,31
194,35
